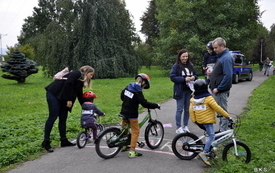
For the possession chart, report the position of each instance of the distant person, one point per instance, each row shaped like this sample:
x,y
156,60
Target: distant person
x,y
183,74
90,112
131,97
267,64
221,78
61,95
203,110
209,59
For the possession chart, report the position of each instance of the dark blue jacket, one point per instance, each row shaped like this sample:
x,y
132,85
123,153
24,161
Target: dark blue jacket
x,y
179,80
221,77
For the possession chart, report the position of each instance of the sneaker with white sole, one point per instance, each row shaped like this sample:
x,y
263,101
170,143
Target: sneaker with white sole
x,y
180,130
134,154
203,156
185,128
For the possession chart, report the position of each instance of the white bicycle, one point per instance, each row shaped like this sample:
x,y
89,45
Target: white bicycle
x,y
187,146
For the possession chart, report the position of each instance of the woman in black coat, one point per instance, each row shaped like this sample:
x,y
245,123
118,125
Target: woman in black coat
x,y
61,95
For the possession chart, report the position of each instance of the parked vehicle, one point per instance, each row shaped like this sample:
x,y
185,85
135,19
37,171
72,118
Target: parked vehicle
x,y
242,69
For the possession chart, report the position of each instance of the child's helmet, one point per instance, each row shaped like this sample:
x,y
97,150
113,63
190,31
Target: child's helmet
x,y
89,94
200,84
209,45
145,78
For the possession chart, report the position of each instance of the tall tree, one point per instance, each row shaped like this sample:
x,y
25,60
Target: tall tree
x,y
94,32
191,24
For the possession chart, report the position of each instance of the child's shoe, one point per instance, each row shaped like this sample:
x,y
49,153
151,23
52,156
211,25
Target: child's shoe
x,y
186,129
205,158
125,148
134,154
180,130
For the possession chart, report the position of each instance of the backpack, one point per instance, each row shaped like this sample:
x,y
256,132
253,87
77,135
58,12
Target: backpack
x,y
59,75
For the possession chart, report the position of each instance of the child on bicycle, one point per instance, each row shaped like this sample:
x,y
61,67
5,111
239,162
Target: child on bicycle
x,y
202,112
90,112
132,96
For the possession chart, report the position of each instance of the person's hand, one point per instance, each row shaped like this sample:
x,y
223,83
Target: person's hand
x,y
158,106
215,91
69,104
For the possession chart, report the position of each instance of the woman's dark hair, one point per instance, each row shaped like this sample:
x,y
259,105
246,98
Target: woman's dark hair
x,y
180,52
188,62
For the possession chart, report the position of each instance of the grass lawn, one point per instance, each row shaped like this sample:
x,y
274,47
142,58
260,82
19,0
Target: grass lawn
x,y
23,111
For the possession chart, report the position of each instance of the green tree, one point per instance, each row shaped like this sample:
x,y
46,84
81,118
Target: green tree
x,y
89,32
191,24
271,43
19,67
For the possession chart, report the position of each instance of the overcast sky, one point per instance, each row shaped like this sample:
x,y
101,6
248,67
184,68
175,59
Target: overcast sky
x,y
13,13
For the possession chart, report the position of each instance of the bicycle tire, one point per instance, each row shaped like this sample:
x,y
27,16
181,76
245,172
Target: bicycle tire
x,y
180,146
154,134
243,151
101,145
81,139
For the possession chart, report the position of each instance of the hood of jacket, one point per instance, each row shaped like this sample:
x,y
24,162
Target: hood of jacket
x,y
134,87
199,96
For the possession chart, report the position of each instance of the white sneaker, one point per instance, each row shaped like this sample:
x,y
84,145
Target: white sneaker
x,y
186,129
180,130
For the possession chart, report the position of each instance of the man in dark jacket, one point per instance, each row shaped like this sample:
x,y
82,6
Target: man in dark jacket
x,y
221,77
132,96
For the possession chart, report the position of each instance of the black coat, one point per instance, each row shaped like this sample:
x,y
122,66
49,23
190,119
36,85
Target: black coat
x,y
67,90
132,96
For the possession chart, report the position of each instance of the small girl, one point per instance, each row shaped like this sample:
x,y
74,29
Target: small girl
x,y
90,112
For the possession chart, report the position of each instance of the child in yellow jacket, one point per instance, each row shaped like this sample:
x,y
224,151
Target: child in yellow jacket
x,y
203,108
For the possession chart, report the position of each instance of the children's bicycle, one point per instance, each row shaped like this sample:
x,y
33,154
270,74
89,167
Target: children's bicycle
x,y
87,135
112,139
187,146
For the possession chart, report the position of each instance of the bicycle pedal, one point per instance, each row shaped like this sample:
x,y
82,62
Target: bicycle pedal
x,y
141,144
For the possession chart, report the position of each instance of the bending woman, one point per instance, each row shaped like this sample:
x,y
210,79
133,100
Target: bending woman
x,y
61,95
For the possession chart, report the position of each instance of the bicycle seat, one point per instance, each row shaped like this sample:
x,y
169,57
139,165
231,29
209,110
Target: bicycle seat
x,y
122,116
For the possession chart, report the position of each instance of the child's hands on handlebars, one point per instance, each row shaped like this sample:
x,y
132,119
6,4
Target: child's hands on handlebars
x,y
158,106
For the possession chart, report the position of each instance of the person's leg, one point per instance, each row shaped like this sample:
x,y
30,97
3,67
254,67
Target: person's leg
x,y
204,155
54,108
134,138
94,128
62,126
179,111
221,99
186,104
63,114
211,136
134,133
265,69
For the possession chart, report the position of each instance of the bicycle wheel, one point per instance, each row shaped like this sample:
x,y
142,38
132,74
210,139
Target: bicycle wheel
x,y
243,155
183,149
154,134
102,144
82,139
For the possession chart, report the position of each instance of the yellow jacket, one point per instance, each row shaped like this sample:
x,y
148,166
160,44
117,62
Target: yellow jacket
x,y
203,110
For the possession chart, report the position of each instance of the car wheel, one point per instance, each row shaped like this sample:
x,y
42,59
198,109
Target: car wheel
x,y
235,78
250,76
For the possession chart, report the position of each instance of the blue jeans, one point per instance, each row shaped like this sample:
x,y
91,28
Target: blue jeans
x,y
211,137
56,109
183,106
266,67
221,99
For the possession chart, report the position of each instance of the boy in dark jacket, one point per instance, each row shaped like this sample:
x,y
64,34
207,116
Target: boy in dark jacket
x,y
132,96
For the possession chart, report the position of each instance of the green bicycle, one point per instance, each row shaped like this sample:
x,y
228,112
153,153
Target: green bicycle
x,y
112,139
